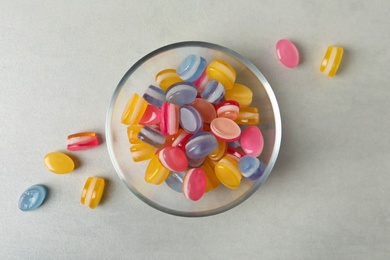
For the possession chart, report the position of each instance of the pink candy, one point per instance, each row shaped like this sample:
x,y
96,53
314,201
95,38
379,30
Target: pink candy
x,y
287,53
252,141
225,129
169,122
151,116
194,184
173,158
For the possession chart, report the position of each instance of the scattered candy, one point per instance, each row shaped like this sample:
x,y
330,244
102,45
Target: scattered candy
x,y
241,94
190,119
287,53
33,197
92,192
331,61
252,141
228,173
251,167
222,72
154,96
134,110
142,152
194,184
225,129
191,68
82,141
59,163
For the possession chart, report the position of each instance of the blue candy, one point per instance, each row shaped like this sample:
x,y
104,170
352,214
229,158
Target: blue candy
x,y
191,68
181,93
154,96
151,136
33,197
200,145
175,180
213,92
251,167
190,119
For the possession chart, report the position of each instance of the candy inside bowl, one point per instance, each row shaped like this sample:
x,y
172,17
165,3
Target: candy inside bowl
x,y
164,197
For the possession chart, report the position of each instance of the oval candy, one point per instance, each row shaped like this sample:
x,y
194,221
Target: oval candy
x,y
213,92
287,53
191,68
252,141
33,197
173,158
154,96
228,173
59,163
194,184
241,94
155,172
251,167
92,192
201,144
190,119
175,181
206,109
181,93
225,129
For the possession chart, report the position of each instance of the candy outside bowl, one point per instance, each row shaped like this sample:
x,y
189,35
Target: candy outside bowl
x,y
138,78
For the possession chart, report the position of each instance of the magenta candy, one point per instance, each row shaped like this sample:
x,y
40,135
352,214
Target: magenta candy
x,y
173,158
235,153
225,129
194,184
252,141
287,53
169,121
151,116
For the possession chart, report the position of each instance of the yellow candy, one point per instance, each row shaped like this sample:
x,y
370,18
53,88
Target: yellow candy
x,y
58,162
92,192
228,173
220,152
167,78
248,116
222,72
331,61
240,93
211,178
156,173
135,109
142,152
132,133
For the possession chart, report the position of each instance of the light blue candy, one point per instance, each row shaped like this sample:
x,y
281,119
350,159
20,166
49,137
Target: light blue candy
x,y
33,197
190,119
200,145
154,96
191,68
181,93
175,180
251,167
213,92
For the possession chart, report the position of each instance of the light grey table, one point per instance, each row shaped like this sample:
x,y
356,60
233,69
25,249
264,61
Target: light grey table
x,y
328,195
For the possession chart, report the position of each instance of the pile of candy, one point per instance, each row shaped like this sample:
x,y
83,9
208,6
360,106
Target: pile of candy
x,y
196,127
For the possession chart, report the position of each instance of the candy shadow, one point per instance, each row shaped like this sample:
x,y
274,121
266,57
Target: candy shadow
x,y
100,138
107,189
345,61
301,50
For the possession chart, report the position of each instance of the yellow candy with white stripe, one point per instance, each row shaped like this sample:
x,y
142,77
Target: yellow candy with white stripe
x,y
228,173
331,60
92,192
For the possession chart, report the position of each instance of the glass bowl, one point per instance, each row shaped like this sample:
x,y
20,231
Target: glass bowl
x,y
138,78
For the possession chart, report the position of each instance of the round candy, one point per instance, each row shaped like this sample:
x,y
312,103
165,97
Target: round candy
x,y
175,180
173,158
190,119
287,53
167,78
201,144
181,93
134,110
225,129
155,172
228,173
194,184
59,163
223,72
191,68
206,110
252,141
33,197
251,167
151,136
92,192
151,116
228,109
213,92
169,121
331,61
154,96
241,94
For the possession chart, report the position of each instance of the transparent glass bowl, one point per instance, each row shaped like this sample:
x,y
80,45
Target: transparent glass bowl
x,y
138,78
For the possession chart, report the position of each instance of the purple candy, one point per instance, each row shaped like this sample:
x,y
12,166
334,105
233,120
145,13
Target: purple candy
x,y
200,145
213,92
181,93
154,96
151,136
190,119
251,167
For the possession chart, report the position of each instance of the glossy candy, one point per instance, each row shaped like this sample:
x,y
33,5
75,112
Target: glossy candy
x,y
151,136
221,71
180,139
235,153
134,110
191,68
331,60
194,184
181,93
190,119
33,197
241,94
155,172
142,152
92,192
228,173
287,53
220,152
228,109
200,145
175,180
225,129
154,96
213,92
195,163
251,167
248,116
59,163
173,158
169,121
212,180
252,141
82,141
167,78
151,116
202,81
206,110
132,133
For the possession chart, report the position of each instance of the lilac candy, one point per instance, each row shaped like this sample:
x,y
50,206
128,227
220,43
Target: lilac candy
x,y
191,68
181,93
195,163
175,180
251,167
200,145
213,92
190,119
154,96
151,136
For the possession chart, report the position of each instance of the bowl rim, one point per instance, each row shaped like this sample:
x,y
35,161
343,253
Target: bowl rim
x,y
275,108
